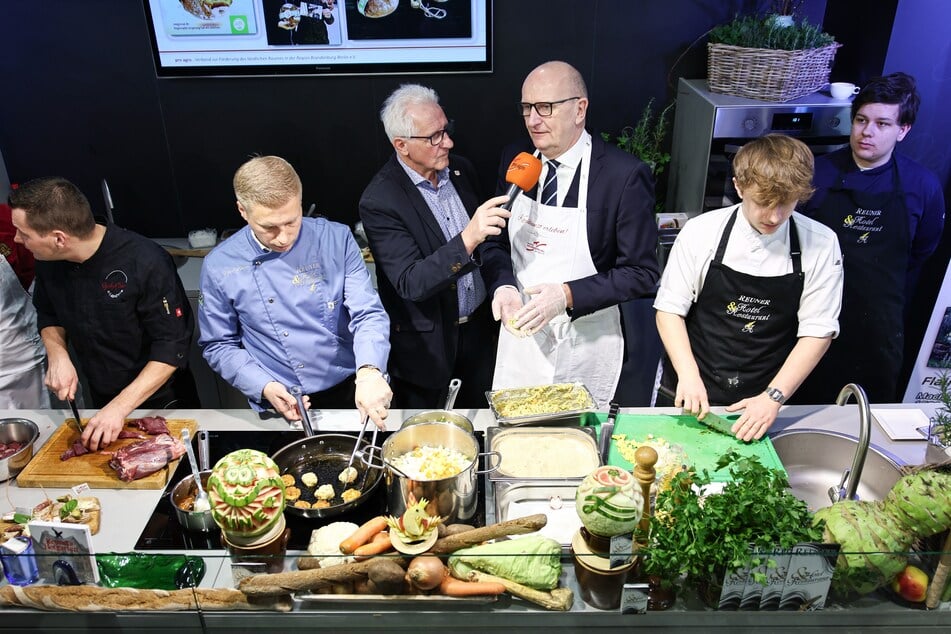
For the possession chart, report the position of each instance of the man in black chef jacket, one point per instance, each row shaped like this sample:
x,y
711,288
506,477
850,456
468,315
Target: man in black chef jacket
x,y
116,297
888,213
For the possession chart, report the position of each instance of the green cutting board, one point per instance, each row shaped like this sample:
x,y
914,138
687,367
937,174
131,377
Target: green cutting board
x,y
702,445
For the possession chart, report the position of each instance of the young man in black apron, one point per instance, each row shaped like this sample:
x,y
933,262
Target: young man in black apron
x,y
888,212
749,299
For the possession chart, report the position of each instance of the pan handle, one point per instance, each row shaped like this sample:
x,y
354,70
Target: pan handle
x,y
454,386
493,454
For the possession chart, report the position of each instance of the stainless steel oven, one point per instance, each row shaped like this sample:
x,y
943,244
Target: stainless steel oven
x,y
709,128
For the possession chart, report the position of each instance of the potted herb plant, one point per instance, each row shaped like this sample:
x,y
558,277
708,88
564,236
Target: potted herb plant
x,y
646,140
695,539
939,429
758,57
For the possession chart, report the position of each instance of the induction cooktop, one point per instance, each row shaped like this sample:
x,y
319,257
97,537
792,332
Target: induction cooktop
x,y
163,530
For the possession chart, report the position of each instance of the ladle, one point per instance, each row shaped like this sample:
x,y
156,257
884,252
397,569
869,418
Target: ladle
x,y
201,499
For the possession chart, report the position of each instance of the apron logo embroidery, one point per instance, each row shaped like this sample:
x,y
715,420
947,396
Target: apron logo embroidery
x,y
849,221
749,327
865,220
536,246
863,239
731,308
733,381
115,283
750,309
308,275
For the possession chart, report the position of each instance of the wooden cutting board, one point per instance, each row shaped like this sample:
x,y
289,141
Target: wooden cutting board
x,y
47,470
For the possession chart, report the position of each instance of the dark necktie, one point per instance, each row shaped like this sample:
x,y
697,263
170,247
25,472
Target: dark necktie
x,y
550,190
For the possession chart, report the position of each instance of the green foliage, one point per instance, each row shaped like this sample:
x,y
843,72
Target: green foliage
x,y
703,537
763,32
646,139
941,421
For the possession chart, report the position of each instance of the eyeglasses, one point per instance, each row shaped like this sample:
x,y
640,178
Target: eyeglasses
x,y
543,108
436,137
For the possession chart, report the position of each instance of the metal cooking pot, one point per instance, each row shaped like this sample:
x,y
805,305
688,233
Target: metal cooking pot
x,y
200,521
455,498
443,415
326,455
17,430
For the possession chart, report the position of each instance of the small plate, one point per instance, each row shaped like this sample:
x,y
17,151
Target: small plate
x,y
902,423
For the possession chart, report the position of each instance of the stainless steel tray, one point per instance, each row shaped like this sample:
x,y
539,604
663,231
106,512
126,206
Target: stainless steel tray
x,y
576,394
395,600
568,445
554,499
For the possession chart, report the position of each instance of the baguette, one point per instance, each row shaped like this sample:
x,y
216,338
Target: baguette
x,y
96,599
519,526
283,583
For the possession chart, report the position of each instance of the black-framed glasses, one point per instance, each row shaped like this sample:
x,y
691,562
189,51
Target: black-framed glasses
x,y
436,137
543,108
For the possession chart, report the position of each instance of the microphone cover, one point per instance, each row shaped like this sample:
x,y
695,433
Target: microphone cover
x,y
524,171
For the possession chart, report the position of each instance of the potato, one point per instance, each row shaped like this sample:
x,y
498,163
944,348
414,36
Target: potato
x,y
387,576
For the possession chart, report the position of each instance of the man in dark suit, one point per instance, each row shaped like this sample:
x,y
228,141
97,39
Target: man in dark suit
x,y
436,255
581,243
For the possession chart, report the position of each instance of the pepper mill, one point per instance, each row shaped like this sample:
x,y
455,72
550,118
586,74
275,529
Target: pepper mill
x,y
644,460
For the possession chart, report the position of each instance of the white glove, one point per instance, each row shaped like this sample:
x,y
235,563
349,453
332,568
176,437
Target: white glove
x,y
372,396
505,303
549,301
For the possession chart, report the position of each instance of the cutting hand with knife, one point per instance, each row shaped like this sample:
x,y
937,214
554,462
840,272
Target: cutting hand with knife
x,y
116,297
750,296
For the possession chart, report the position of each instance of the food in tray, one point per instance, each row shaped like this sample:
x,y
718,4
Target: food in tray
x,y
670,458
540,399
301,504
431,463
309,479
288,479
551,454
325,543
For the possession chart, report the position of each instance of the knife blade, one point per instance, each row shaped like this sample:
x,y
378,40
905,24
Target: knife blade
x,y
79,421
607,429
713,421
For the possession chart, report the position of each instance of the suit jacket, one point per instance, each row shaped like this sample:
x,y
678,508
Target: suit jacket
x,y
622,231
417,269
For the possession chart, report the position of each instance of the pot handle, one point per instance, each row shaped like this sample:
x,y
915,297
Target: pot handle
x,y
493,454
373,452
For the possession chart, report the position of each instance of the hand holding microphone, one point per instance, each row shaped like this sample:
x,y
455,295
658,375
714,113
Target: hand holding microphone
x,y
489,219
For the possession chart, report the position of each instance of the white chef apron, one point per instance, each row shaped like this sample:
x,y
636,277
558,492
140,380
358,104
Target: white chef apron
x,y
22,355
551,244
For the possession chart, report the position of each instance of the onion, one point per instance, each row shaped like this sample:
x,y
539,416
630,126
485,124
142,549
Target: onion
x,y
426,571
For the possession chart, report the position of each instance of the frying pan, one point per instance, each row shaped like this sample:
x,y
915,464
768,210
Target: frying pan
x,y
326,455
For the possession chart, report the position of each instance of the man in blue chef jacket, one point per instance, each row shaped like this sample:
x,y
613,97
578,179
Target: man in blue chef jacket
x,y
888,212
287,301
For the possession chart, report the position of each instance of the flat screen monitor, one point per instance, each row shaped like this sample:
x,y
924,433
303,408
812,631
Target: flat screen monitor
x,y
195,38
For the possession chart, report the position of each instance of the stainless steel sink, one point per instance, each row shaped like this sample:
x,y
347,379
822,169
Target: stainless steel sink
x,y
816,459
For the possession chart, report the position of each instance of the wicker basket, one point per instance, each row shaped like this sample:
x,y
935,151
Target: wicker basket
x,y
768,74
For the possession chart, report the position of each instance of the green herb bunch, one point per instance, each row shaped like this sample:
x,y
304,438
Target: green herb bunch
x,y
941,421
646,139
763,32
700,538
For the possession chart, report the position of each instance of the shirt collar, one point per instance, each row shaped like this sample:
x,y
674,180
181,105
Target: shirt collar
x,y
752,235
572,158
257,242
418,179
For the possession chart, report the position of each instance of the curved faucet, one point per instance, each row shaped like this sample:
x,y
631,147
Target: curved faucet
x,y
846,491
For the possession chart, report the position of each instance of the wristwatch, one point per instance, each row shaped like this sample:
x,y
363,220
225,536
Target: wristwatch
x,y
776,394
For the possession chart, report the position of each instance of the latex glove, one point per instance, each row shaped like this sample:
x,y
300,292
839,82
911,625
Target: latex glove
x,y
283,401
759,415
373,396
104,427
505,303
548,301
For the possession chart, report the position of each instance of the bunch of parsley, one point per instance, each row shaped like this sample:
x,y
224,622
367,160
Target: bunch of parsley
x,y
698,539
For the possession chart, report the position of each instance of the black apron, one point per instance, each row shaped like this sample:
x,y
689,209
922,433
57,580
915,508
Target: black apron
x,y
742,327
874,237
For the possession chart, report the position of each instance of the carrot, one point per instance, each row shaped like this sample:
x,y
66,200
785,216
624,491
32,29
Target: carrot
x,y
376,546
363,534
452,587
